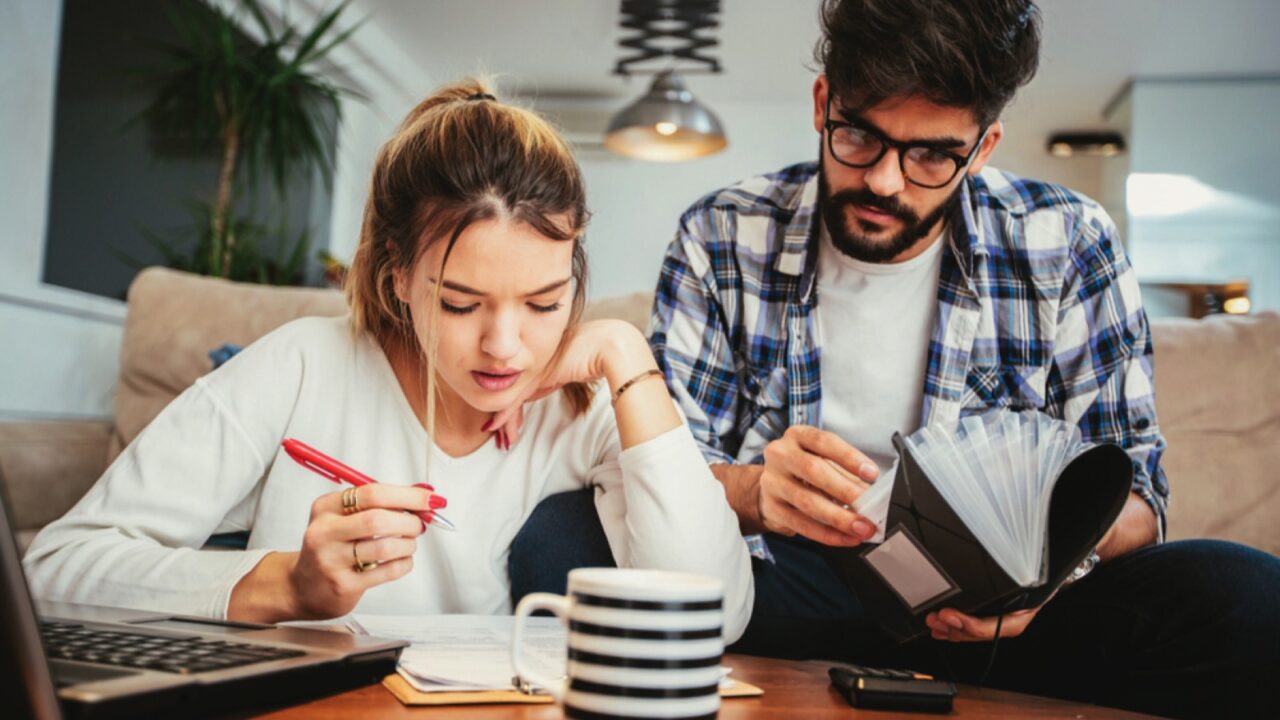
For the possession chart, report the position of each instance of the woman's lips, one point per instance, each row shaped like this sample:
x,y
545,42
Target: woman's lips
x,y
495,381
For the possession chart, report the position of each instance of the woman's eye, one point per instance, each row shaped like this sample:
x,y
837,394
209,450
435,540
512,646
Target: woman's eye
x,y
456,310
545,308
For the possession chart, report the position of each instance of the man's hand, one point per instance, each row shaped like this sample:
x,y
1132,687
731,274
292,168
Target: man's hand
x,y
1137,527
810,478
953,625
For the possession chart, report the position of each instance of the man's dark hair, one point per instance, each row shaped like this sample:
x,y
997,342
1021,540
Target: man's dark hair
x,y
957,53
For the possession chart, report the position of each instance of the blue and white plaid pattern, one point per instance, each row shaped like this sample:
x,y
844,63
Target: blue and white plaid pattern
x,y
1038,307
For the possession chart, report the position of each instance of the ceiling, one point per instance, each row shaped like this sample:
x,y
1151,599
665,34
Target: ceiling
x,y
567,48
560,53
557,48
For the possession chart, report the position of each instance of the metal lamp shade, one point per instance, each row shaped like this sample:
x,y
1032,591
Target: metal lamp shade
x,y
665,125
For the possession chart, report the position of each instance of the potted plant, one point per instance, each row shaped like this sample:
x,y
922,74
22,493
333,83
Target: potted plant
x,y
267,111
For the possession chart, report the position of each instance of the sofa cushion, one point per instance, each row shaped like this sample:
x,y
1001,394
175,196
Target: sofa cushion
x,y
633,308
45,468
176,318
1218,403
1217,386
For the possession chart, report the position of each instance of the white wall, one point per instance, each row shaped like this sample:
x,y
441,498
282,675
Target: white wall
x,y
637,205
364,128
389,84
61,346
1203,190
64,345
1024,153
1115,170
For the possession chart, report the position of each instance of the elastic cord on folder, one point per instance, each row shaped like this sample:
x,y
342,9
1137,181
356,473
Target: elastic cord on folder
x,y
991,660
995,641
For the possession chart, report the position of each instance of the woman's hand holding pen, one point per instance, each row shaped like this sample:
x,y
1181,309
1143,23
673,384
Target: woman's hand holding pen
x,y
344,553
327,579
613,350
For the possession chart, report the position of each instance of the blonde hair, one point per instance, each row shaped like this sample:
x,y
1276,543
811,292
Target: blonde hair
x,y
460,157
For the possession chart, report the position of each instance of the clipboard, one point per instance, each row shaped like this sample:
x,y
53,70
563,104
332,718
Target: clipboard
x,y
410,696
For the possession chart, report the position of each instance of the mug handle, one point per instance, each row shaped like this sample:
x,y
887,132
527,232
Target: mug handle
x,y
559,606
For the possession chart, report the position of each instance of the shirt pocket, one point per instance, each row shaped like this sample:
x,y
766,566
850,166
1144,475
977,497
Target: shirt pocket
x,y
1013,387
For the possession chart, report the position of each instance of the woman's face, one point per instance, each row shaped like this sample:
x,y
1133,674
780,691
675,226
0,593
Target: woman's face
x,y
504,304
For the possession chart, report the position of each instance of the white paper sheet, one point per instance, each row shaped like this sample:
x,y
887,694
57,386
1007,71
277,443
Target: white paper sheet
x,y
467,652
873,504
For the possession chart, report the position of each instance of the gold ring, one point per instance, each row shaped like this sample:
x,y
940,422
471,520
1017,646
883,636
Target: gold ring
x,y
361,566
350,501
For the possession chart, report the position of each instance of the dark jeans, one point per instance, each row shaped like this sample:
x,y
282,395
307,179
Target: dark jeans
x,y
1184,629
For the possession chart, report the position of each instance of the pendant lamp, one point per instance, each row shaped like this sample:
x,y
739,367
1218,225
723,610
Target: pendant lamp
x,y
667,124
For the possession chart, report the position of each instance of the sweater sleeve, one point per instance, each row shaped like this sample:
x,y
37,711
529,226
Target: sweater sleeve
x,y
134,540
662,509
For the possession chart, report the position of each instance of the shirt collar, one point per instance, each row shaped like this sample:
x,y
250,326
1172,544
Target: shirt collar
x,y
804,232
801,232
967,232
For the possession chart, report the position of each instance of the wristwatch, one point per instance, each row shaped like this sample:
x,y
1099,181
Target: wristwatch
x,y
1084,568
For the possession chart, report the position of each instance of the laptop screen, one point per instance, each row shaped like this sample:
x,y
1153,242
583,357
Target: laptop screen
x,y
24,671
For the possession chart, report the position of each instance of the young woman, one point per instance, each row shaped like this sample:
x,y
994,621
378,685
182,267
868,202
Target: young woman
x,y
464,295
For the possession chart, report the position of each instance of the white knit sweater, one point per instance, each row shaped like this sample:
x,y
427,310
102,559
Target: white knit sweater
x,y
211,462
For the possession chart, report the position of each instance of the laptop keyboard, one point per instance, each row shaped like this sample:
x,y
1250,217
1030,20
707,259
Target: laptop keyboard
x,y
183,655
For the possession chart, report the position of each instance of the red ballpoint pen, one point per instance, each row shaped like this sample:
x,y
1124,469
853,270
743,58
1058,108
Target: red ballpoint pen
x,y
322,464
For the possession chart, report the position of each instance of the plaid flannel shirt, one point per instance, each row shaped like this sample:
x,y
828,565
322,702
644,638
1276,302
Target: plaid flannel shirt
x,y
1038,307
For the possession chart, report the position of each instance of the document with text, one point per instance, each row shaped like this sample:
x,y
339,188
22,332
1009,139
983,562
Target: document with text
x,y
450,653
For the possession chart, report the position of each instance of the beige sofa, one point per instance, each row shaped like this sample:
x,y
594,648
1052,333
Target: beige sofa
x,y
1217,386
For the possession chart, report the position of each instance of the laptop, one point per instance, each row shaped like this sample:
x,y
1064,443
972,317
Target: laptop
x,y
81,661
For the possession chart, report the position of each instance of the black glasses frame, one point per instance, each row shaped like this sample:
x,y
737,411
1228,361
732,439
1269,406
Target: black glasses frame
x,y
887,142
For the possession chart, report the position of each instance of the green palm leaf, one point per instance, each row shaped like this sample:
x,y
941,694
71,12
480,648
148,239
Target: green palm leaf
x,y
262,102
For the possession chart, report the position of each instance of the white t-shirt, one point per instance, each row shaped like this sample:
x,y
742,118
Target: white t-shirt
x,y
212,462
874,324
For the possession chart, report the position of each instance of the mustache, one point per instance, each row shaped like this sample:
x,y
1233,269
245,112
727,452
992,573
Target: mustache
x,y
866,198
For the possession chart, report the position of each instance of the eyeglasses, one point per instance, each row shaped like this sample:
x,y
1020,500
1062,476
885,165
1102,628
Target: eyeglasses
x,y
858,145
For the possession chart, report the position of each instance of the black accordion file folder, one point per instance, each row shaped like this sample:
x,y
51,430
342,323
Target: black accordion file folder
x,y
1021,541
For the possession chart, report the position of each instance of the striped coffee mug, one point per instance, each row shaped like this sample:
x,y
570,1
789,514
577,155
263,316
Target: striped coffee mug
x,y
642,644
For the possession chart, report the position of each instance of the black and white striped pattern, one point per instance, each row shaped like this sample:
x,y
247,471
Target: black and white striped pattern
x,y
643,658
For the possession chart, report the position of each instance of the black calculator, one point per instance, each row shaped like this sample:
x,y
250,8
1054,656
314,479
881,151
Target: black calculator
x,y
903,690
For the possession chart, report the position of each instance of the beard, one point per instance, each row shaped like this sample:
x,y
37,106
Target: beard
x,y
852,237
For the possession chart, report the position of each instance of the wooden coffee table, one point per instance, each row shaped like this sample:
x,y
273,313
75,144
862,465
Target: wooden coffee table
x,y
793,691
